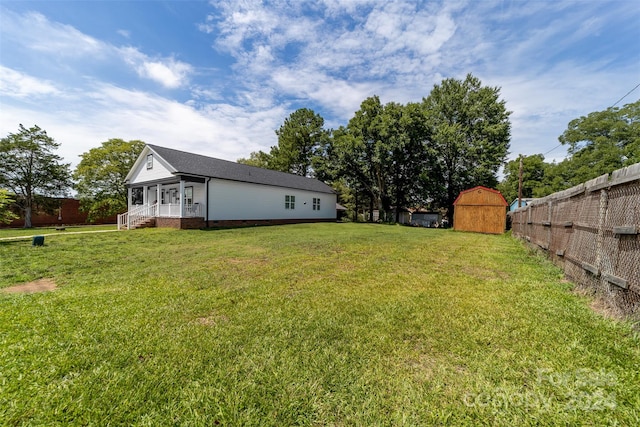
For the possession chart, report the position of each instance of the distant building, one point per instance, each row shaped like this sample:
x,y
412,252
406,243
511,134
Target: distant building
x,y
524,202
426,219
64,211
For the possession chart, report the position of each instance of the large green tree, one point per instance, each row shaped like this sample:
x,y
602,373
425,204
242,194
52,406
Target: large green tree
x,y
469,137
382,154
100,177
360,153
6,215
30,169
298,139
600,143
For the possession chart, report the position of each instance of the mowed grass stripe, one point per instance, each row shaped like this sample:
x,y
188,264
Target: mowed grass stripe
x,y
315,324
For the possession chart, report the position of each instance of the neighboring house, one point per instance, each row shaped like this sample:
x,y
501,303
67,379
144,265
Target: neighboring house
x,y
426,219
404,216
480,209
524,202
173,188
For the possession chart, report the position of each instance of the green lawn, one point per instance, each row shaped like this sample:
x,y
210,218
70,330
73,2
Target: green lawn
x,y
27,232
317,324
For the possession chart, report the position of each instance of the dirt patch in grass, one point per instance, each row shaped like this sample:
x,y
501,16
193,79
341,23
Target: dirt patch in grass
x,y
41,285
212,320
599,304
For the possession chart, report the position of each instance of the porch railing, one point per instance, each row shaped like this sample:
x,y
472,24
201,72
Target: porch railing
x,y
173,210
137,216
142,213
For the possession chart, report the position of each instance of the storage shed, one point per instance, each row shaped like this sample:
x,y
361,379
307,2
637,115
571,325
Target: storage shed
x,y
480,209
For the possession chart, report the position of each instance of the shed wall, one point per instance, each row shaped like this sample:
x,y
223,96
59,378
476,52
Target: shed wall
x,y
481,219
480,210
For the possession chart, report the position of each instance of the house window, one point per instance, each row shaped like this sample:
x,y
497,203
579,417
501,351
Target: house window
x,y
137,197
289,202
150,161
188,196
316,204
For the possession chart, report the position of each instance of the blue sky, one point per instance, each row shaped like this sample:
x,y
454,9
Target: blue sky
x,y
217,78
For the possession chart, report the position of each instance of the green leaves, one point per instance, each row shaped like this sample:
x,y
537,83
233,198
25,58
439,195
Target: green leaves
x,y
29,168
6,216
470,135
100,177
598,144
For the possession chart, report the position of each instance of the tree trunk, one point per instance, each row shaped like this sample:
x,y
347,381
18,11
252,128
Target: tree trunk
x,y
371,208
355,214
27,217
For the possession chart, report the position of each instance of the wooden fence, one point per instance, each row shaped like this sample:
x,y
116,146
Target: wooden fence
x,y
593,232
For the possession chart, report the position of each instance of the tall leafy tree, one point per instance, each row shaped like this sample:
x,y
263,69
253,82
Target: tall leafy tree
x,y
600,143
469,134
6,215
362,154
100,177
30,169
298,139
405,137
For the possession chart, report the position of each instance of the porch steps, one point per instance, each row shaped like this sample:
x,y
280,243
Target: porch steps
x,y
148,223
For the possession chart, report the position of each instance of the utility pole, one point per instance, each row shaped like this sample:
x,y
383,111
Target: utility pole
x,y
520,184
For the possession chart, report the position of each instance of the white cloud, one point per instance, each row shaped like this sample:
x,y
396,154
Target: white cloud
x,y
171,74
34,31
104,111
19,85
52,40
167,71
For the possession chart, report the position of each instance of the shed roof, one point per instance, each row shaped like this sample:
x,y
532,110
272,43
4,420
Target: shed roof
x,y
501,199
185,163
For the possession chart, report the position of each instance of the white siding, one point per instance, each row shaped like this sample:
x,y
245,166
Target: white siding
x,y
231,200
142,174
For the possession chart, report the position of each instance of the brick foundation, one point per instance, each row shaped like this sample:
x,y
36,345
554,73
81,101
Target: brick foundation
x,y
258,222
191,223
180,223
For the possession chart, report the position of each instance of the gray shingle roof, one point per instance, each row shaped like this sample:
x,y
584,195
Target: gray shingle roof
x,y
198,165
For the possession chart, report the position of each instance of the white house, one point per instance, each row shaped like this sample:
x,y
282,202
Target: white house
x,y
173,188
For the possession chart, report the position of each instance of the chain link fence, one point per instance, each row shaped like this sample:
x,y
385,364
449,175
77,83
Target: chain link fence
x,y
593,232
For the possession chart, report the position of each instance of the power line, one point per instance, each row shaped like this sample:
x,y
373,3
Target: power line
x,y
557,146
625,95
638,85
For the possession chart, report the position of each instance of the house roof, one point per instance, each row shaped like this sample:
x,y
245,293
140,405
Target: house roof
x,y
480,187
185,163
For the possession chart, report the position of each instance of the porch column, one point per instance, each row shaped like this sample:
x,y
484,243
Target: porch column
x,y
145,196
129,198
159,194
181,198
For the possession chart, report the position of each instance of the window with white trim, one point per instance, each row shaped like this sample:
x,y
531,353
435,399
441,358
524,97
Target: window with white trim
x,y
316,204
150,161
289,202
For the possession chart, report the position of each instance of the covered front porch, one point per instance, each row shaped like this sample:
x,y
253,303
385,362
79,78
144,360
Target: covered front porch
x,y
178,204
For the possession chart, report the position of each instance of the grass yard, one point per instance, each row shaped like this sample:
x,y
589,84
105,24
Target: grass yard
x,y
315,324
7,233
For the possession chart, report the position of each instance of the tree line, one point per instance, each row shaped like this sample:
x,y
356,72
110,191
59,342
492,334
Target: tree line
x,y
393,156
387,157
